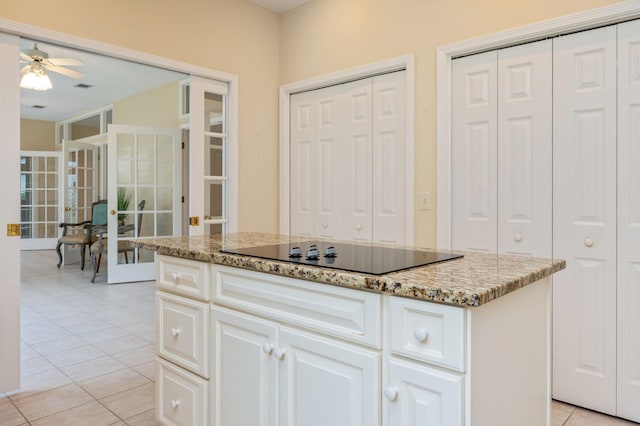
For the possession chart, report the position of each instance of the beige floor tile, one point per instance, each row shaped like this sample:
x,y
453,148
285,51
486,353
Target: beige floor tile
x,y
148,370
559,405
90,414
122,344
92,368
108,333
35,365
558,416
53,401
9,414
586,417
113,383
137,356
40,382
148,418
59,345
75,355
132,402
87,326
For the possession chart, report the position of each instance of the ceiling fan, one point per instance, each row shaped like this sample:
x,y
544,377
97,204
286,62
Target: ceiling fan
x,y
33,74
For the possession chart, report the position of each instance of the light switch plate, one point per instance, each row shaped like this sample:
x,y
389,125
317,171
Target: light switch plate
x,y
425,200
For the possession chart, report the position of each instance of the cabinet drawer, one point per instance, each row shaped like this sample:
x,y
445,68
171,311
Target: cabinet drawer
x,y
183,332
182,397
427,332
187,277
349,314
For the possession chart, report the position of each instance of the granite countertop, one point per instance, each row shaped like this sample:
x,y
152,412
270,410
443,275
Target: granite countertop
x,y
471,281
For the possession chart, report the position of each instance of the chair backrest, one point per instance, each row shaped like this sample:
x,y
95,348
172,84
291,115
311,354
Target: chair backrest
x,y
99,213
140,208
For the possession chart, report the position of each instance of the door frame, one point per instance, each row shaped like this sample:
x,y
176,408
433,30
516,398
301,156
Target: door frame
x,y
581,21
407,63
71,41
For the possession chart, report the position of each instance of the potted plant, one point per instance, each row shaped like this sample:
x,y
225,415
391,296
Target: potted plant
x,y
124,198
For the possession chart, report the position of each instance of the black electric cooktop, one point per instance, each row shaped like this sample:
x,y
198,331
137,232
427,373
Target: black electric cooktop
x,y
349,257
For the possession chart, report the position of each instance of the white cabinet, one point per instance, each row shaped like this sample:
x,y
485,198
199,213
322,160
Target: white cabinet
x,y
416,395
348,153
501,151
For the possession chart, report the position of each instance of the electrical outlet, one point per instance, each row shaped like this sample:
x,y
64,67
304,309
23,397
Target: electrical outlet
x,y
425,200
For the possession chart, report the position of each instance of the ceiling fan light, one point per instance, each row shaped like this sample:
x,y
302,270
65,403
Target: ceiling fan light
x,y
28,80
36,80
42,83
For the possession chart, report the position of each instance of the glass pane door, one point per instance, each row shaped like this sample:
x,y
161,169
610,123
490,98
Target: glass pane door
x,y
144,196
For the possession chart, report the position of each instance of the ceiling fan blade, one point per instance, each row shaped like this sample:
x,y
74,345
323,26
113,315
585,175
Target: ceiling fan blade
x,y
26,57
66,61
64,71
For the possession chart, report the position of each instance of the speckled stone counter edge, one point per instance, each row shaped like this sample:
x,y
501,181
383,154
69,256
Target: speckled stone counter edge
x,y
472,281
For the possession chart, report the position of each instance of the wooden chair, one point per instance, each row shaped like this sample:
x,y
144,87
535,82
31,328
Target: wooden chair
x,y
99,246
81,233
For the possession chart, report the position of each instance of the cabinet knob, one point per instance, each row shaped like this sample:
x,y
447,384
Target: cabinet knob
x,y
279,353
391,393
267,348
420,334
175,332
359,227
517,237
324,225
175,403
588,242
174,276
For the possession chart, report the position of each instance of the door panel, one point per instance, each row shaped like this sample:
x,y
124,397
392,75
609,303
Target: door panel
x,y
10,213
525,149
144,196
327,382
244,378
584,219
474,166
629,220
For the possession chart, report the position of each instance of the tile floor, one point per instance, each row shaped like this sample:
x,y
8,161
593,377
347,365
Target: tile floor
x,y
88,352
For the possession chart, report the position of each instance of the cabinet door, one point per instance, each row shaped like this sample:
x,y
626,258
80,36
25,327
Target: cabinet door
x,y
474,223
525,149
584,219
416,395
629,220
244,380
326,382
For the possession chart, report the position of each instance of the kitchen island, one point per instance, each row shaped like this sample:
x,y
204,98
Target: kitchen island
x,y
250,341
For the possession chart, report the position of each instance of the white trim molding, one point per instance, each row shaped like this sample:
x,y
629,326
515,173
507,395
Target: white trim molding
x,y
405,62
607,15
71,41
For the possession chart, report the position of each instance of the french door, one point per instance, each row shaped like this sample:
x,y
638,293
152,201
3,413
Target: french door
x,y
144,193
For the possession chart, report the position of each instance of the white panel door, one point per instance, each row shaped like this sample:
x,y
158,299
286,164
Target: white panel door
x,y
416,395
145,170
10,213
303,164
629,220
474,169
584,219
326,382
389,158
525,149
244,379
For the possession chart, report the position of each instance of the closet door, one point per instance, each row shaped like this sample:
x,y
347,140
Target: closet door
x,y
473,153
389,159
525,149
629,220
584,219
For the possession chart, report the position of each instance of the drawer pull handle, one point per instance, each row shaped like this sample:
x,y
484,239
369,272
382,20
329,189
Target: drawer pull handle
x,y
517,237
420,334
391,393
175,403
175,332
174,276
267,348
588,242
359,227
279,353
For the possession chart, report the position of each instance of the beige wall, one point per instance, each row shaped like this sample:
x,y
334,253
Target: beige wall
x,y
324,36
157,108
232,36
37,135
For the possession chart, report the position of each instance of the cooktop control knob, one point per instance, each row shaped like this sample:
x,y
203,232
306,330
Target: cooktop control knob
x,y
295,252
312,252
330,252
